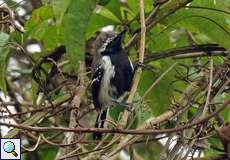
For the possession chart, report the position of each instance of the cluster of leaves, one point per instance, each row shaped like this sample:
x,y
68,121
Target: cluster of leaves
x,y
73,22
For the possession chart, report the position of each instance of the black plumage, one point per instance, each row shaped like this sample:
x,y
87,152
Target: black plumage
x,y
112,76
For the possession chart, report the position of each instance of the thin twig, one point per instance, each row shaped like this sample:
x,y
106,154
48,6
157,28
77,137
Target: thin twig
x,y
209,89
35,146
157,81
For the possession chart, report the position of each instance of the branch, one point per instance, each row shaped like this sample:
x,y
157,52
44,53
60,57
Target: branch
x,y
208,8
74,114
207,103
183,101
12,19
197,50
38,116
138,72
120,131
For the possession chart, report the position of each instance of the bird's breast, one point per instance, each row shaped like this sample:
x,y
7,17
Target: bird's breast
x,y
107,91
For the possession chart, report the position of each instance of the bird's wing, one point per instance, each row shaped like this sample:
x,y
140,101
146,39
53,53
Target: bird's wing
x,y
96,83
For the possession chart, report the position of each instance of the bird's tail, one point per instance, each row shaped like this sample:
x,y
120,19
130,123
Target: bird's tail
x,y
101,117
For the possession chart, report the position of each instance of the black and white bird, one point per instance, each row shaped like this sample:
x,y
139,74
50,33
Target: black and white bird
x,y
112,73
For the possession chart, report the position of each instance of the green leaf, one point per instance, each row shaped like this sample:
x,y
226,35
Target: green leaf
x,y
48,153
213,24
152,151
59,8
34,91
75,24
108,14
103,18
115,111
97,22
134,6
41,26
38,16
17,37
115,7
214,141
160,97
4,53
103,2
155,40
226,113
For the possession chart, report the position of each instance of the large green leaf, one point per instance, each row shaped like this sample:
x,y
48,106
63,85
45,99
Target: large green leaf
x,y
4,52
134,5
107,15
157,99
75,24
59,8
97,22
213,24
155,40
160,97
115,7
38,17
41,26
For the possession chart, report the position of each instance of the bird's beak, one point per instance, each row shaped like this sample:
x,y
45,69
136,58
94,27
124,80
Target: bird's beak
x,y
119,38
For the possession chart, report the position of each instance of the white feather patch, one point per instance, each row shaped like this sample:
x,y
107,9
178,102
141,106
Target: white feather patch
x,y
131,64
106,88
108,40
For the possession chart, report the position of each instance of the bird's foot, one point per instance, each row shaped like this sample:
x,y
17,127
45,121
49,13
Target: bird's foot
x,y
140,64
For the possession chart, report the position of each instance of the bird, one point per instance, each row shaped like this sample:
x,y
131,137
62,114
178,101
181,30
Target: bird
x,y
112,73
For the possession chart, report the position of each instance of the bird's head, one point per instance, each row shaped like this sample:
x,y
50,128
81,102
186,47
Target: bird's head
x,y
112,44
